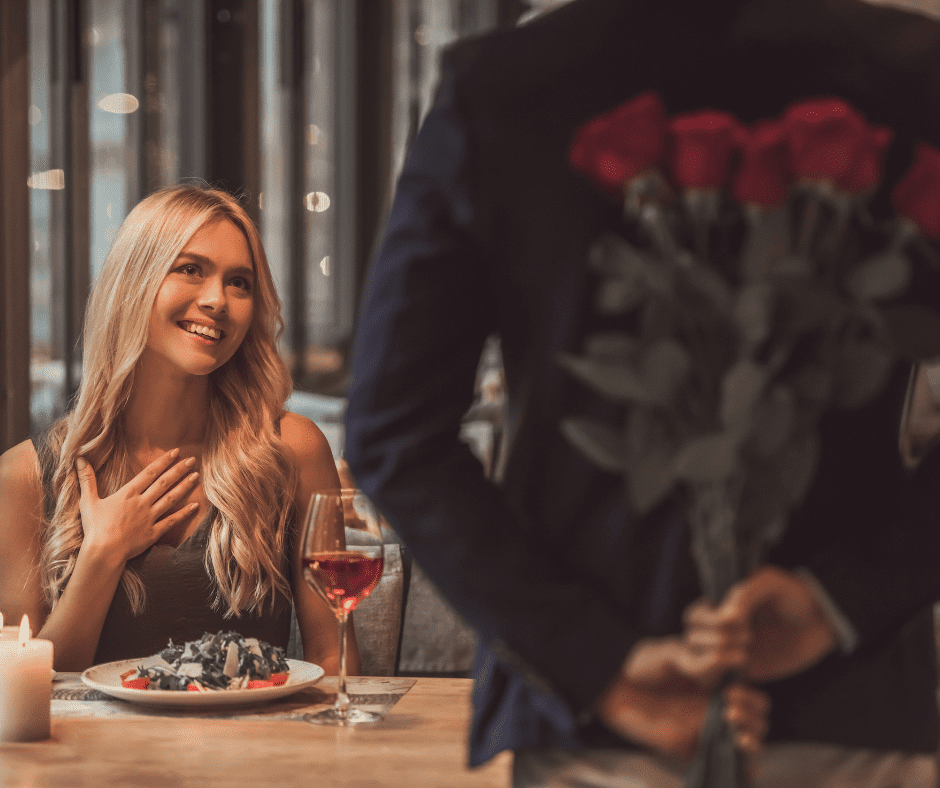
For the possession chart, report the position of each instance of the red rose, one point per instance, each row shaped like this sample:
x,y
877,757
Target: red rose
x,y
764,175
830,140
702,145
616,147
866,174
917,195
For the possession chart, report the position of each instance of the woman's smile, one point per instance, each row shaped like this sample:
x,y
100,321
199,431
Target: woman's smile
x,y
211,334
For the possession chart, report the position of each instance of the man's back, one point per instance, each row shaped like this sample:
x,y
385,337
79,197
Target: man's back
x,y
490,233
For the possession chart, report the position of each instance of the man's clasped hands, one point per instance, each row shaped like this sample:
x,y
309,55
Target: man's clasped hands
x,y
768,626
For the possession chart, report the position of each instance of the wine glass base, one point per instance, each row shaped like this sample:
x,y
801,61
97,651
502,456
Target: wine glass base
x,y
336,717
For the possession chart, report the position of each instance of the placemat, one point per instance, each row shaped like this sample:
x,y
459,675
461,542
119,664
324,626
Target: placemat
x,y
71,698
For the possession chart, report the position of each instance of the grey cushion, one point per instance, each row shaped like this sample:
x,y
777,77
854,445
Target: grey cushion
x,y
435,639
377,619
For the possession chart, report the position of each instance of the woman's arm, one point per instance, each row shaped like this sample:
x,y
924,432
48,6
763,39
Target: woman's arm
x,y
115,529
20,527
316,470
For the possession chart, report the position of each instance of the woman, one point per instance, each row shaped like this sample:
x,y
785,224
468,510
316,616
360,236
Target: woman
x,y
165,504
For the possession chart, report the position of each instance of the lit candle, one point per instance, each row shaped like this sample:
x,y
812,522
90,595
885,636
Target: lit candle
x,y
8,632
25,687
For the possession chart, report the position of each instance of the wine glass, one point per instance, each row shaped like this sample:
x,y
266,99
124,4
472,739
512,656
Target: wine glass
x,y
343,557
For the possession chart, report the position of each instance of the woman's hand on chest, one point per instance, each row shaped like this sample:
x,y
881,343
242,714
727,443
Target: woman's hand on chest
x,y
135,517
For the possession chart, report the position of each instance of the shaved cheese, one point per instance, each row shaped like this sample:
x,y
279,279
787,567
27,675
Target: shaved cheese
x,y
231,660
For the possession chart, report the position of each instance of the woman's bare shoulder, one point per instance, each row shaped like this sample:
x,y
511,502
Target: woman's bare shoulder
x,y
311,454
304,438
19,466
20,493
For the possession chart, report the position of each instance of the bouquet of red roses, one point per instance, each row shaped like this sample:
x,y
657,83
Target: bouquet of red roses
x,y
760,290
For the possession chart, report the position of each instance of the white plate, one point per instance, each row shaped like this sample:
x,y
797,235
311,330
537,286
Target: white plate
x,y
107,679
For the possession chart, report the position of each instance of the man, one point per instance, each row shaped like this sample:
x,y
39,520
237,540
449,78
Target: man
x,y
584,670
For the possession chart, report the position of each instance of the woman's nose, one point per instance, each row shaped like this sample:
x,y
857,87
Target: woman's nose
x,y
212,295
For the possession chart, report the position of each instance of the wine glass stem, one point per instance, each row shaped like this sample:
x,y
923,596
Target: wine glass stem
x,y
342,699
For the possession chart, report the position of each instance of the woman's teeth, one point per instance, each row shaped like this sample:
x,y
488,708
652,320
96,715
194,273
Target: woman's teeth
x,y
206,331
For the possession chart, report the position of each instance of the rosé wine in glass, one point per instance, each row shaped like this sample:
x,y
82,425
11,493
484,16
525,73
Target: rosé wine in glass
x,y
342,574
343,579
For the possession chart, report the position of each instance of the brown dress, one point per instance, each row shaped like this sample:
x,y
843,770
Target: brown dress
x,y
178,596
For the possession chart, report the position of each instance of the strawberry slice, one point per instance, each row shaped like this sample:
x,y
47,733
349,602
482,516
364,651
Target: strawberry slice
x,y
279,678
141,683
258,683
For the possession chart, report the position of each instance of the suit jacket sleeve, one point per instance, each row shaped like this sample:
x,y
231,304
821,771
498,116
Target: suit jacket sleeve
x,y
427,310
881,581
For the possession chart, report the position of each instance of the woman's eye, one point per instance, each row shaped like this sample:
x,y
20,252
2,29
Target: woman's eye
x,y
188,270
241,284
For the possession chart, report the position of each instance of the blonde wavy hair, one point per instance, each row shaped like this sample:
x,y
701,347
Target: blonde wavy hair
x,y
247,477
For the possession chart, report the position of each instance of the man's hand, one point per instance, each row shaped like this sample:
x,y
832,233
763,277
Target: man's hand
x,y
774,615
660,700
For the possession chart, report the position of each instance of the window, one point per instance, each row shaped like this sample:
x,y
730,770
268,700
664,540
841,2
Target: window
x,y
303,107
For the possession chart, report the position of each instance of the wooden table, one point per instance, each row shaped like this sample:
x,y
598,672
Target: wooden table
x,y
420,742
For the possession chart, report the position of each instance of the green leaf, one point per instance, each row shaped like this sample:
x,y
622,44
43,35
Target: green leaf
x,y
619,296
741,387
600,443
883,276
613,256
709,284
650,451
666,367
612,346
752,312
613,381
709,458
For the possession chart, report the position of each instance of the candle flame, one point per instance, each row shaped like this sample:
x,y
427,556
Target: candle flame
x,y
24,630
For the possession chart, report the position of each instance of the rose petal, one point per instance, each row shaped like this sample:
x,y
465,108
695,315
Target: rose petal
x,y
826,137
917,195
619,145
702,146
764,176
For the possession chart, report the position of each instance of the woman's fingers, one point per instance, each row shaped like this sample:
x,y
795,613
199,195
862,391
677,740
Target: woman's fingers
x,y
175,494
87,482
164,525
167,481
146,478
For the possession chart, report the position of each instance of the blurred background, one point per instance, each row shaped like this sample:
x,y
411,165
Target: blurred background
x,y
304,108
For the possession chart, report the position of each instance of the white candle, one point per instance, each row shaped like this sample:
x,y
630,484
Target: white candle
x,y
25,687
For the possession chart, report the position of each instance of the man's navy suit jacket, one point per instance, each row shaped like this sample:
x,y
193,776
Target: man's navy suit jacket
x,y
489,233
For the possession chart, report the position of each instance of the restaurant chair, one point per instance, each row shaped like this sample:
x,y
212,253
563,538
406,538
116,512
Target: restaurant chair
x,y
435,640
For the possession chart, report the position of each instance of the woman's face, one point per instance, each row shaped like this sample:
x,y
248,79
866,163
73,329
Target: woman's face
x,y
205,304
